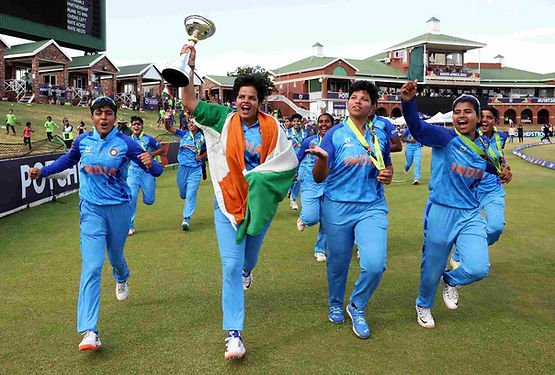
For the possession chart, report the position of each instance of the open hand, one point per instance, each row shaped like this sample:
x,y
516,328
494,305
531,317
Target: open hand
x,y
318,152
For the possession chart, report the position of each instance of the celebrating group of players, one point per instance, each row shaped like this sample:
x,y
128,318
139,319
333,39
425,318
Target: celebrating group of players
x,y
341,178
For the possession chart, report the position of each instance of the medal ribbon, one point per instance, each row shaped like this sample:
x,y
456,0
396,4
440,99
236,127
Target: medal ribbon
x,y
492,159
376,158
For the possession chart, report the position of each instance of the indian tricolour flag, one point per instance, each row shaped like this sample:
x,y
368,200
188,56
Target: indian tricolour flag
x,y
249,199
167,92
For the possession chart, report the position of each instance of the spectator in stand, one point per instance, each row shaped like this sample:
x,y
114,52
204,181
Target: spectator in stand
x,y
81,128
520,132
10,121
49,126
58,96
27,131
50,93
512,133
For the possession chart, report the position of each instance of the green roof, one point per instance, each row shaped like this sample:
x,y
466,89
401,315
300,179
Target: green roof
x,y
26,48
549,76
508,74
222,80
132,70
430,38
86,60
308,63
377,57
369,67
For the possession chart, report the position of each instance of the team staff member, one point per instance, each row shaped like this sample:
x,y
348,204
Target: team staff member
x,y
67,133
103,156
192,152
242,147
354,159
138,178
452,215
298,135
312,192
413,154
490,190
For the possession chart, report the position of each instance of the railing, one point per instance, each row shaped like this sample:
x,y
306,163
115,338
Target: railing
x,y
123,97
296,108
17,86
78,93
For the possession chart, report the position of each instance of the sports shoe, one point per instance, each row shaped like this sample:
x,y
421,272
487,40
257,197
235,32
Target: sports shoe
x,y
320,257
247,280
122,291
358,317
131,232
450,296
300,225
90,341
234,347
405,171
416,182
293,204
424,317
454,264
335,314
185,224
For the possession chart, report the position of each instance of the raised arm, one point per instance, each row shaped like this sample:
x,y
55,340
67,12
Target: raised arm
x,y
429,135
189,99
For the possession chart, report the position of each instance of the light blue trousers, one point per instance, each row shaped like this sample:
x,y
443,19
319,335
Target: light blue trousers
x,y
311,201
188,181
444,227
103,228
138,179
413,155
345,224
235,258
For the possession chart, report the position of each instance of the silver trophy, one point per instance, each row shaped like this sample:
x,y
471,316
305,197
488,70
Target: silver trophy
x,y
177,71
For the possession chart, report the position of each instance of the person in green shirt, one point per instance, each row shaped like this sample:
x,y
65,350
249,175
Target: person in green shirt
x,y
161,114
49,125
10,122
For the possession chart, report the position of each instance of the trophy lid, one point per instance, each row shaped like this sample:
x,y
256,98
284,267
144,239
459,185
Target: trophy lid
x,y
199,27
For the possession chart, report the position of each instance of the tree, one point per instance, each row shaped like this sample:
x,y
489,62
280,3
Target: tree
x,y
255,70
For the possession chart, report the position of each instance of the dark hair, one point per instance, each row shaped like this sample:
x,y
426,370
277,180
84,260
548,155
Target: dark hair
x,y
467,98
296,116
493,111
326,114
256,80
49,117
28,123
137,118
104,101
367,86
82,123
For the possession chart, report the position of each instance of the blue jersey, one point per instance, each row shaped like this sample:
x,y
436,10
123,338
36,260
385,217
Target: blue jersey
x,y
103,165
456,168
147,143
297,137
407,135
253,143
190,146
386,126
353,176
491,182
307,161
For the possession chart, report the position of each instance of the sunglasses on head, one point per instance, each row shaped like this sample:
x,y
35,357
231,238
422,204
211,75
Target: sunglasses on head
x,y
101,99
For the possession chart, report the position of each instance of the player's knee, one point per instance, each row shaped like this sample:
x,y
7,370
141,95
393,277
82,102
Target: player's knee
x,y
494,231
148,201
372,267
231,267
477,271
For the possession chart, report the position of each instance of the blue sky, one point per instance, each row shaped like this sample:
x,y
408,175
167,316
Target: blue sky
x,y
275,33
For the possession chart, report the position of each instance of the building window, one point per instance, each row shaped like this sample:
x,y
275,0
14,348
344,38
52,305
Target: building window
x,y
79,82
50,80
340,71
129,88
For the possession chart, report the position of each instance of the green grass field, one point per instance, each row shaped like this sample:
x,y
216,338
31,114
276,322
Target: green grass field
x,y
171,323
545,152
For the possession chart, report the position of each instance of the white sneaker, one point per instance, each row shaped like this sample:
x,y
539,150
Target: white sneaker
x,y
320,257
90,341
234,348
424,317
300,225
450,296
358,254
247,280
293,204
131,232
454,264
122,291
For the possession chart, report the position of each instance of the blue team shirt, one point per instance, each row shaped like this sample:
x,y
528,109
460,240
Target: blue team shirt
x,y
297,137
353,176
456,169
253,143
190,146
407,135
147,143
307,161
491,182
103,165
386,126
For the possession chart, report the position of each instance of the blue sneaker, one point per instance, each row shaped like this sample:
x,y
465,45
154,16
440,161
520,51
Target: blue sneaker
x,y
335,314
360,326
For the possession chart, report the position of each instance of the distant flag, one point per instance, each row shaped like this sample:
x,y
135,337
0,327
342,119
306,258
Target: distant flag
x,y
167,92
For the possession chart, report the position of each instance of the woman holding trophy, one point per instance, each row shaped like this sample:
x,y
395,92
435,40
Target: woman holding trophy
x,y
252,164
